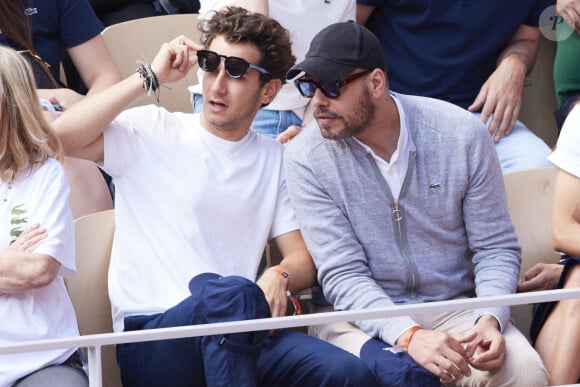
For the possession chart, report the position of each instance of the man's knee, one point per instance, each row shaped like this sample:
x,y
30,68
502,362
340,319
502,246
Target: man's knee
x,y
231,298
522,365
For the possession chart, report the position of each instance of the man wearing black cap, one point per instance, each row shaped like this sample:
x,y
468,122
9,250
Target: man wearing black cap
x,y
400,200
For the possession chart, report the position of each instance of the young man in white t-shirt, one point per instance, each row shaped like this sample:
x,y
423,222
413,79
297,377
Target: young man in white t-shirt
x,y
197,198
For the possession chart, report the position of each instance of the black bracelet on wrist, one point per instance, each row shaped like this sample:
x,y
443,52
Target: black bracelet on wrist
x,y
150,82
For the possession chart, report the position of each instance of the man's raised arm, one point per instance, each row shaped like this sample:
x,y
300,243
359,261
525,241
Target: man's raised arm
x,y
81,127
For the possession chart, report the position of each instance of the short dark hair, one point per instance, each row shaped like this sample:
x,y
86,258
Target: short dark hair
x,y
238,25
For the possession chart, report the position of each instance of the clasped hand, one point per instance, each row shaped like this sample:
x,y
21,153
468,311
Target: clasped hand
x,y
29,240
449,356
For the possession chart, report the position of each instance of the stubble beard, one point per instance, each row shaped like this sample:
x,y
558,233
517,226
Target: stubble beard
x,y
359,118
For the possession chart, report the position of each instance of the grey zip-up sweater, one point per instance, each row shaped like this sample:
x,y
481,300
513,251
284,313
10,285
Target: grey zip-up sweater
x,y
449,234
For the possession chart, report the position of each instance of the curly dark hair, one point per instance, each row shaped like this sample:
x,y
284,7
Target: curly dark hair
x,y
238,25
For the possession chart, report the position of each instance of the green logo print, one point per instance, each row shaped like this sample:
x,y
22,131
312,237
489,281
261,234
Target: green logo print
x,y
18,220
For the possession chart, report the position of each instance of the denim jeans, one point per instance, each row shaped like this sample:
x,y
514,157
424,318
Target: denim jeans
x,y
267,122
286,358
521,149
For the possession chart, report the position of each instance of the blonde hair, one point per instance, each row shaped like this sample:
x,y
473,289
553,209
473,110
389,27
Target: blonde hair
x,y
26,138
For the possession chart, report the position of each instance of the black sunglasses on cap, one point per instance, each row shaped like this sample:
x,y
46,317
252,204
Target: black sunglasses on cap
x,y
235,67
331,89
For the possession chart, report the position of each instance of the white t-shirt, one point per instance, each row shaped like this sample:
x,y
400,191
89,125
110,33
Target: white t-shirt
x,y
567,153
304,19
41,196
187,202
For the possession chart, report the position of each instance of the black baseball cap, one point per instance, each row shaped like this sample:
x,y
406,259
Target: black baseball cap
x,y
339,49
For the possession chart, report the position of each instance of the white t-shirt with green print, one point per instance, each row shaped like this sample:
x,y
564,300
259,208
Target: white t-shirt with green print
x,y
39,196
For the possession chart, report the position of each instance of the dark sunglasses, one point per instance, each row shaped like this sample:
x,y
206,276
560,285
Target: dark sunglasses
x,y
331,89
235,67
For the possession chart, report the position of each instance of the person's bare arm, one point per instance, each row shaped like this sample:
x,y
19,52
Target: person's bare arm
x,y
501,94
565,233
21,268
96,67
81,127
566,214
95,64
363,12
296,261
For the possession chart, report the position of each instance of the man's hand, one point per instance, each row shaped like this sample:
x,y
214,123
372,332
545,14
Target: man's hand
x,y
501,94
274,287
570,12
175,59
287,135
501,97
543,276
488,347
441,353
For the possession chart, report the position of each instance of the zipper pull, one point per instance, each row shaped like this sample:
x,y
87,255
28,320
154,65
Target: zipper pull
x,y
397,215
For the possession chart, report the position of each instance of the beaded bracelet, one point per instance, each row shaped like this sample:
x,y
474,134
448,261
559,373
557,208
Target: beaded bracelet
x,y
150,82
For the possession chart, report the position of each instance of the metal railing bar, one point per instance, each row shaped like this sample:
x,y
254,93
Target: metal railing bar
x,y
95,366
102,339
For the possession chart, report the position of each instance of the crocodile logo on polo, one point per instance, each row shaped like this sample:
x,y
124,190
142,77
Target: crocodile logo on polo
x,y
18,220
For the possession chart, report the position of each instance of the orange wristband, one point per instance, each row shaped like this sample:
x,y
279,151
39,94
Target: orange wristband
x,y
408,335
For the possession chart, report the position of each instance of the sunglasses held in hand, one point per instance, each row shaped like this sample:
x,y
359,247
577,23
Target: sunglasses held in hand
x,y
235,67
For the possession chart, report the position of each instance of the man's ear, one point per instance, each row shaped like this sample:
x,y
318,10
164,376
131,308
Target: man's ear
x,y
378,82
269,90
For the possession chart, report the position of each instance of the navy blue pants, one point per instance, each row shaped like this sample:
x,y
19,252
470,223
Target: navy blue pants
x,y
287,358
395,368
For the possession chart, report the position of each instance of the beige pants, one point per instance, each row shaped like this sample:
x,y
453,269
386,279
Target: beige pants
x,y
522,366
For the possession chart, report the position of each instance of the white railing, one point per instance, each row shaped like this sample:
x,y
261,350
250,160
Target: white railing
x,y
93,343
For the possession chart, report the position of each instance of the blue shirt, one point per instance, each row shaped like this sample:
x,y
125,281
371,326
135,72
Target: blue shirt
x,y
57,25
447,49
